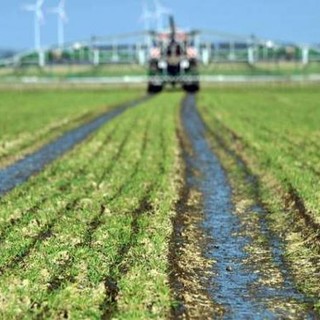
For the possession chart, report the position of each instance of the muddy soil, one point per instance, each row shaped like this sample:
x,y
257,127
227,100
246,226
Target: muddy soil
x,y
248,276
191,270
22,170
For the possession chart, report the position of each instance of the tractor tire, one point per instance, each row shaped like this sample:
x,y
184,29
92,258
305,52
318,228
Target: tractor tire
x,y
153,89
192,88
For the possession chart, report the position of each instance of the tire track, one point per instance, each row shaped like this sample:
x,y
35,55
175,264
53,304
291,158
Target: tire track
x,y
28,144
235,286
190,270
21,171
67,183
64,187
291,198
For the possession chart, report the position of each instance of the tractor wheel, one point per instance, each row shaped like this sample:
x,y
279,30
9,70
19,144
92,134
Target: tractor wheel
x,y
152,89
192,88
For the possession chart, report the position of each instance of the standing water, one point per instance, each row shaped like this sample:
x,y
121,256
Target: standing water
x,y
235,284
22,170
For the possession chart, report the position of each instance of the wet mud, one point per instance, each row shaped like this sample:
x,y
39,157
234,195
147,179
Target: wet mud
x,y
190,269
250,277
22,170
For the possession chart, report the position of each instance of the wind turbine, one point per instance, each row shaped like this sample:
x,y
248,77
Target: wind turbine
x,y
38,20
160,11
147,16
60,11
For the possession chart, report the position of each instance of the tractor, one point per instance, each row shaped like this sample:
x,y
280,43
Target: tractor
x,y
173,60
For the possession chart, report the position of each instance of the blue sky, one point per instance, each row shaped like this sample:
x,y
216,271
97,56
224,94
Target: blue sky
x,y
291,20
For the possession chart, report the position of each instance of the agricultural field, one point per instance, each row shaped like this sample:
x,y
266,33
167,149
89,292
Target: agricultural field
x,y
65,71
87,237
214,68
282,68
181,206
279,128
29,118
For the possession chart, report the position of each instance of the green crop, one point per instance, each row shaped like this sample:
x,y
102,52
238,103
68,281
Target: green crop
x,y
273,132
277,126
89,236
30,118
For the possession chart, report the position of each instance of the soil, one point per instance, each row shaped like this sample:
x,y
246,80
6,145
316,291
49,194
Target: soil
x,y
226,261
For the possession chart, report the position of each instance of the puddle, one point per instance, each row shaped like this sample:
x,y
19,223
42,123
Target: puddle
x,y
19,172
236,284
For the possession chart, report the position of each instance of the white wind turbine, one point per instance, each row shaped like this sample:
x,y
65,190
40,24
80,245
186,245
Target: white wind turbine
x,y
38,20
60,11
147,16
160,11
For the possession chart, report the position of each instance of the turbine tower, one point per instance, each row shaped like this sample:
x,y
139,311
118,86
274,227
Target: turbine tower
x,y
60,11
147,17
38,20
160,11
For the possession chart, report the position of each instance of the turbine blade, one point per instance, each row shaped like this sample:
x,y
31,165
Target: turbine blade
x,y
161,9
63,16
62,11
40,16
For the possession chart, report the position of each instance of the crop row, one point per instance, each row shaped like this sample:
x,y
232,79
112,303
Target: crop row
x,y
88,237
28,119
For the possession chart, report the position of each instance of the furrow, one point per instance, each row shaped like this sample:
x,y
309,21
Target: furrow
x,y
109,305
21,171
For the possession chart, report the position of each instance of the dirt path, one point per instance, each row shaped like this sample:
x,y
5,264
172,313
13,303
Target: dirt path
x,y
19,172
250,277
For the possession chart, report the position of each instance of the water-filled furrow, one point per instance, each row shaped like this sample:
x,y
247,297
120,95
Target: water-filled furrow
x,y
236,286
19,172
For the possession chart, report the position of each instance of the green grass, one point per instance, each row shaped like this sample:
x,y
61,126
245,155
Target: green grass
x,y
260,69
279,127
242,68
29,118
275,131
89,236
69,71
111,71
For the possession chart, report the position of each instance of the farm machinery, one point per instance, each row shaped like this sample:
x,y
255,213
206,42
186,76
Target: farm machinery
x,y
173,60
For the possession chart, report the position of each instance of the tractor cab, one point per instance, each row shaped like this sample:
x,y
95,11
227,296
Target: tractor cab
x,y
173,60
